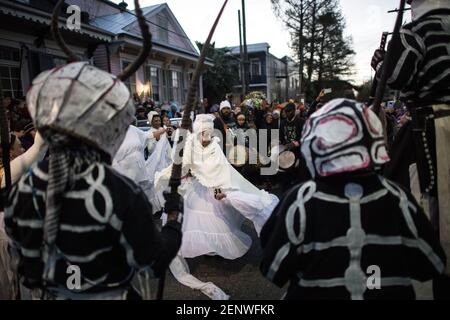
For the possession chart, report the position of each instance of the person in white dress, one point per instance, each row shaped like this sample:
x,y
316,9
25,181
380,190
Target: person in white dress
x,y
130,160
160,152
217,199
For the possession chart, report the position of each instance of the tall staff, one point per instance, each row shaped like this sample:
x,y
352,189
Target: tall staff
x,y
387,61
174,199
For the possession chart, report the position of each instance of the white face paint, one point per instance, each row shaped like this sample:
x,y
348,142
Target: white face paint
x,y
421,7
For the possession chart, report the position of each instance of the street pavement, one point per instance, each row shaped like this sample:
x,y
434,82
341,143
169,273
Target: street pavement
x,y
240,278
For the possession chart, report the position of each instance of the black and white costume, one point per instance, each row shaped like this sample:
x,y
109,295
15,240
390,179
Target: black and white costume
x,y
328,235
420,69
74,209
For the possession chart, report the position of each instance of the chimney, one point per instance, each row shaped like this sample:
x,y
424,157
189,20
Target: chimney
x,y
123,5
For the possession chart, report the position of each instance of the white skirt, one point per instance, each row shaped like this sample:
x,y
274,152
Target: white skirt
x,y
213,227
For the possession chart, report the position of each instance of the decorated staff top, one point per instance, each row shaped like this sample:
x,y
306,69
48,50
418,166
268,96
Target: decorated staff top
x,y
255,100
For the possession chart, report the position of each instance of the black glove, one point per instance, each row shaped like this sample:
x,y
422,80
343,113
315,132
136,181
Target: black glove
x,y
174,203
377,58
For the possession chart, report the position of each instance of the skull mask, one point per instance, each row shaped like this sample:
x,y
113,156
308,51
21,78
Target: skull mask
x,y
83,102
343,136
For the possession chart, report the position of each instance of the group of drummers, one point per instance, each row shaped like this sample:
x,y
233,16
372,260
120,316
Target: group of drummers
x,y
268,151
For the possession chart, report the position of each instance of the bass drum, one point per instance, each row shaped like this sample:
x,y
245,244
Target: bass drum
x,y
287,160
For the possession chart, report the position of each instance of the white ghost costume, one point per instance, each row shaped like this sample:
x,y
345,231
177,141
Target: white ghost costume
x,y
213,227
160,158
210,226
130,159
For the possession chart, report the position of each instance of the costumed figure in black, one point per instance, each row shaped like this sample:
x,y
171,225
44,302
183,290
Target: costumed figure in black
x,y
420,69
73,211
330,234
290,135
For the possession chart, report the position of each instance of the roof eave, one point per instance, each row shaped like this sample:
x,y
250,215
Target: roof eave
x,y
42,17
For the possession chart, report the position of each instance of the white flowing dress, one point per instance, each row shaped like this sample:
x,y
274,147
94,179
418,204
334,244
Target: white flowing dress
x,y
159,159
210,226
130,161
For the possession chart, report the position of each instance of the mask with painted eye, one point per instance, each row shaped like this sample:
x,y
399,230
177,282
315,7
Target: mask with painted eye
x,y
343,136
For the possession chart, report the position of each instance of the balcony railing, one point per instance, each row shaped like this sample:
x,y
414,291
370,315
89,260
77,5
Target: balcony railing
x,y
258,79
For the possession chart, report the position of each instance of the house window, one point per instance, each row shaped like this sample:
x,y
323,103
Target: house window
x,y
131,81
10,72
166,85
152,76
255,67
11,84
177,86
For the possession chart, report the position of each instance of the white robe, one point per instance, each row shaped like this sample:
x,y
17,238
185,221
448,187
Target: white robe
x,y
210,226
130,158
159,159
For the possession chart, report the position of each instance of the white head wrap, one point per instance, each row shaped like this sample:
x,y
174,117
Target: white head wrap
x,y
203,122
225,104
151,115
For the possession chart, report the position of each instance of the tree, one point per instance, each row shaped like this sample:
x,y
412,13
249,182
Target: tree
x,y
335,53
364,91
317,38
219,79
295,14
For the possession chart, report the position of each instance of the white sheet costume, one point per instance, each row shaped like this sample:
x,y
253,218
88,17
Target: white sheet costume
x,y
130,159
160,158
212,227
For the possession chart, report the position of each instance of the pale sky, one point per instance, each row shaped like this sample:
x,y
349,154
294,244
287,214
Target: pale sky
x,y
365,19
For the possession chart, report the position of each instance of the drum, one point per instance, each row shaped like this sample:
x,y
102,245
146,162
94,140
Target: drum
x,y
238,156
287,160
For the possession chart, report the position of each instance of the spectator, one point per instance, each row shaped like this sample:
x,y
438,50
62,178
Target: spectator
x,y
140,113
15,150
22,110
27,139
241,122
215,110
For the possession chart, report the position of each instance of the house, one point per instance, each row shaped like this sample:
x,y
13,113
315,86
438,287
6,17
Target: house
x,y
26,45
277,78
109,38
167,73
